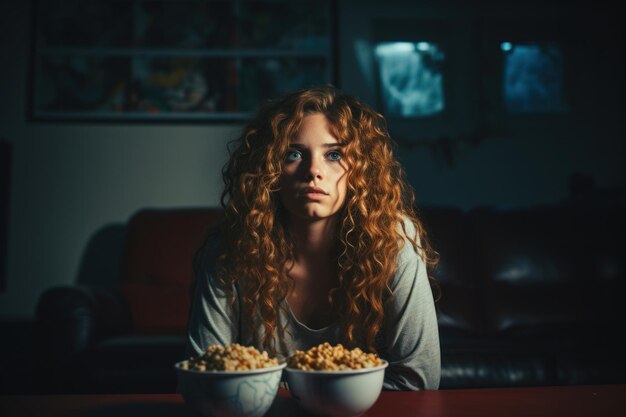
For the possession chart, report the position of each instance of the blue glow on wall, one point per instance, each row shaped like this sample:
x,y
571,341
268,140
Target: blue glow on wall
x,y
411,78
533,78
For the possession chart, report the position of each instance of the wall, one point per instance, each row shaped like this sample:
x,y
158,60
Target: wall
x,y
71,180
528,160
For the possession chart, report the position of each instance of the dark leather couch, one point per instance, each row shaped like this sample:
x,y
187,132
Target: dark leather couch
x,y
530,296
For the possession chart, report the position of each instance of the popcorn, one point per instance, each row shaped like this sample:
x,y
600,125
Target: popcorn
x,y
326,357
230,358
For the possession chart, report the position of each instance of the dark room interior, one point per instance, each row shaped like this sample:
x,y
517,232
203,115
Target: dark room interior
x,y
508,118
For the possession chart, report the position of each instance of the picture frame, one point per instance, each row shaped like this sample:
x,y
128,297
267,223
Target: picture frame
x,y
437,52
175,61
530,64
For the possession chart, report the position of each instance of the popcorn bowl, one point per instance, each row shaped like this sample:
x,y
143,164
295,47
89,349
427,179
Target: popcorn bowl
x,y
336,393
229,393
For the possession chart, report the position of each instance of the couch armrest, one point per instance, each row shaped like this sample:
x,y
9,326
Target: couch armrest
x,y
71,318
77,316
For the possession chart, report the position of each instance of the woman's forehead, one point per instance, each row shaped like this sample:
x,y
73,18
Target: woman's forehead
x,y
315,129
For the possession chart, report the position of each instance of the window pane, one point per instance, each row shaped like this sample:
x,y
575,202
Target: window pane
x,y
411,78
533,78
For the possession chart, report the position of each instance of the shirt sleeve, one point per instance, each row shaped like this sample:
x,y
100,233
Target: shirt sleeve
x,y
410,331
214,318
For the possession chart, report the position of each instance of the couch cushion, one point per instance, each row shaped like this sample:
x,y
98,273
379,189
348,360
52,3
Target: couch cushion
x,y
490,368
603,242
532,266
157,266
457,307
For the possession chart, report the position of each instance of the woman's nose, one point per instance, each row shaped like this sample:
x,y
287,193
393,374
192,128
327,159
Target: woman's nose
x,y
314,170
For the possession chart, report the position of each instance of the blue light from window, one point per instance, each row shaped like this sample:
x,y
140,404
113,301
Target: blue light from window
x,y
506,46
533,78
411,78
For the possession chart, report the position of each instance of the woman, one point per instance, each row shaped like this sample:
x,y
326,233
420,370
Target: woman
x,y
320,242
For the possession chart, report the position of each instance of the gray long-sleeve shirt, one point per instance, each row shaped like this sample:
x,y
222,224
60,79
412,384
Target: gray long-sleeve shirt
x,y
408,339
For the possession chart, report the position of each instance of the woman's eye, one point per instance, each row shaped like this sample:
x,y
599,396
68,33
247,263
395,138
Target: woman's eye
x,y
334,155
293,156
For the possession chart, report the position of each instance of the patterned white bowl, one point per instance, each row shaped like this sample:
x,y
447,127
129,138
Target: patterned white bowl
x,y
336,393
229,393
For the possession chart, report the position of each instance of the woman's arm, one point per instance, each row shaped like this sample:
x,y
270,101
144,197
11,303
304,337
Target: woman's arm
x,y
411,333
213,319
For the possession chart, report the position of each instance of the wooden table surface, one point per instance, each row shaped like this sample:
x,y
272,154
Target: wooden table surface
x,y
570,401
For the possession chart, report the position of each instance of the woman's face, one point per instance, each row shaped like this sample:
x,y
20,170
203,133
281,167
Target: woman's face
x,y
313,182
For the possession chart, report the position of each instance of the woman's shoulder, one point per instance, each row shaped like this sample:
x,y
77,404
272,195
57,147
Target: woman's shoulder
x,y
409,260
206,266
407,228
207,254
410,239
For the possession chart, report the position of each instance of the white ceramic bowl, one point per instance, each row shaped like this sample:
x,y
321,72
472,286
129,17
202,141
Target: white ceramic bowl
x,y
336,393
229,393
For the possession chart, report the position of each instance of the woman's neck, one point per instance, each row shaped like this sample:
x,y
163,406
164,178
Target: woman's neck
x,y
313,240
312,272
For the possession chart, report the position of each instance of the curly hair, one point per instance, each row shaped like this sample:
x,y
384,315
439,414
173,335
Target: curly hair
x,y
371,230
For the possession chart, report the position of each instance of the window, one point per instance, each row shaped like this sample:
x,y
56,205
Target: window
x,y
411,78
532,79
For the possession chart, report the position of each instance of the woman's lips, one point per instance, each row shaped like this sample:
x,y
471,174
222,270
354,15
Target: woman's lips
x,y
317,190
314,192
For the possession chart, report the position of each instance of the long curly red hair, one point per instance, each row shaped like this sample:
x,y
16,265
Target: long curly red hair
x,y
370,233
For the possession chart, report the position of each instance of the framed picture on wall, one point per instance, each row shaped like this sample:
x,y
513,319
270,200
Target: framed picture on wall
x,y
418,67
163,60
6,150
531,63
467,81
